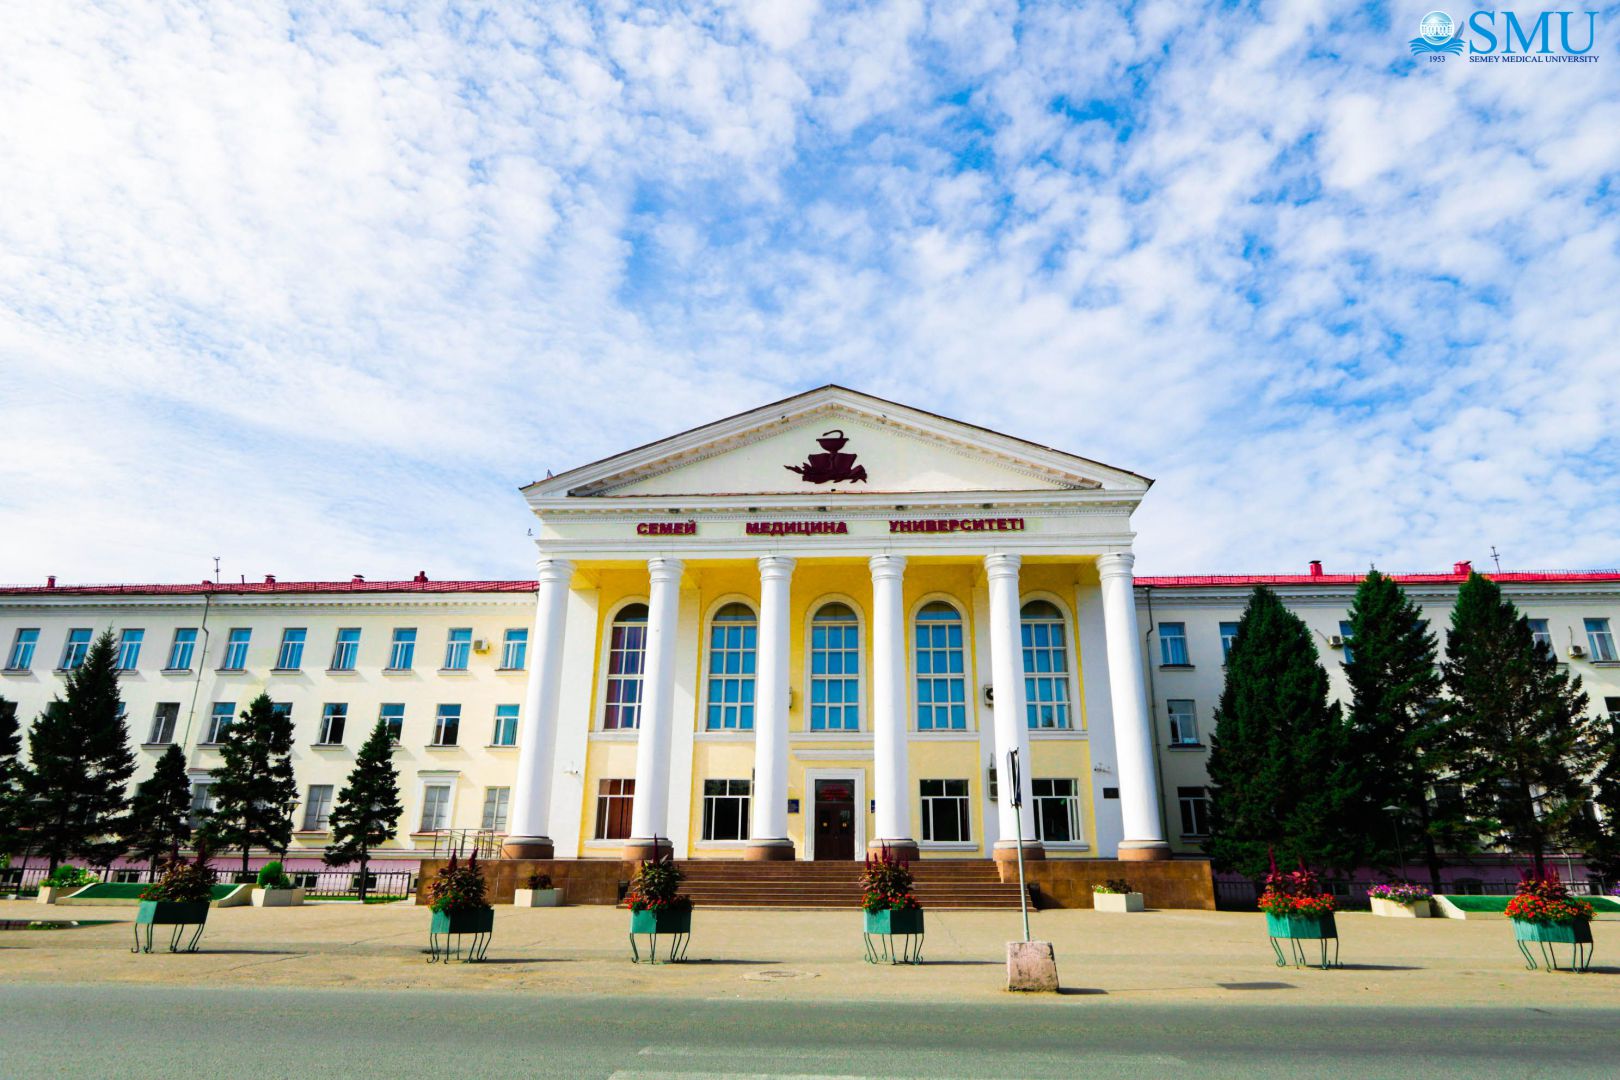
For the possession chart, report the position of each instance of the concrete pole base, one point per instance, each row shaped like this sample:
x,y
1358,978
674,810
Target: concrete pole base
x,y
769,851
1031,967
1006,851
904,849
528,847
1144,851
647,850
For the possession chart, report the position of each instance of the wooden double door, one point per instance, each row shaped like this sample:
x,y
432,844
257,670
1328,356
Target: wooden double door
x,y
834,819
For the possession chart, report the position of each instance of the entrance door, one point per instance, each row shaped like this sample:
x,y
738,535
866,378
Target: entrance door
x,y
835,819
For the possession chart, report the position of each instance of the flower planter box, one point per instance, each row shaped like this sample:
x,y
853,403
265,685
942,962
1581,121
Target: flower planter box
x,y
537,898
293,897
49,893
448,928
1119,902
906,923
173,913
674,922
1296,929
476,921
903,921
1577,934
1394,909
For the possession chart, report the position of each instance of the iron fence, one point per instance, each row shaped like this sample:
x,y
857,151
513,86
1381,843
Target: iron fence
x,y
320,884
1350,895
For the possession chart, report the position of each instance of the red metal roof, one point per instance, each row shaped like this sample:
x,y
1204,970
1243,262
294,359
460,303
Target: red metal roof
x,y
1526,577
259,587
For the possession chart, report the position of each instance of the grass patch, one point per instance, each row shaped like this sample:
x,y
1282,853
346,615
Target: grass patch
x,y
1497,905
121,890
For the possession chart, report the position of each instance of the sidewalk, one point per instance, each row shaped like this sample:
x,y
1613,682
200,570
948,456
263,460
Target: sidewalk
x,y
1157,957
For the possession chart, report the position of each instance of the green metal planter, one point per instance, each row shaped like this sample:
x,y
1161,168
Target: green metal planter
x,y
1298,929
882,927
173,913
448,931
1577,934
675,923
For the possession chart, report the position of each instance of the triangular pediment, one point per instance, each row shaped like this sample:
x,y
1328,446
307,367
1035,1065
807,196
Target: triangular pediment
x,y
835,440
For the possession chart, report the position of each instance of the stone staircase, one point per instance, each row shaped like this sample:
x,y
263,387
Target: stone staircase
x,y
940,883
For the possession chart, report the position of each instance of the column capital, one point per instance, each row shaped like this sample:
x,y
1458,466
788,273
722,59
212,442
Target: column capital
x,y
556,570
1002,564
1115,564
665,570
887,566
776,567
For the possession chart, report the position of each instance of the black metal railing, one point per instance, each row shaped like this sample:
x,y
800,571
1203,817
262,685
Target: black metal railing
x,y
319,884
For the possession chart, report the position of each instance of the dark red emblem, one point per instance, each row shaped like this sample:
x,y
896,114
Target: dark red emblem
x,y
834,466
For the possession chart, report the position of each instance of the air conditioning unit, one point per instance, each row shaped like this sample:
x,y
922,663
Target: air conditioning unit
x,y
1577,651
480,645
1336,641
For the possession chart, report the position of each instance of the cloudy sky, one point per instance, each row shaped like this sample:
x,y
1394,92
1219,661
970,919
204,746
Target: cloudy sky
x,y
315,288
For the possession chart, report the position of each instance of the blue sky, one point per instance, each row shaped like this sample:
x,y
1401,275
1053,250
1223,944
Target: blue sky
x,y
315,288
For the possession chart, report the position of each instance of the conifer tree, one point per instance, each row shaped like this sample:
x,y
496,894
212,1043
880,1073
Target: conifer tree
x,y
1281,782
1602,835
11,770
253,789
79,764
1396,729
160,812
1524,746
368,808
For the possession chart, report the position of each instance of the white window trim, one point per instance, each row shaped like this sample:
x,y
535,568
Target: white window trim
x,y
970,675
452,777
604,649
1071,644
863,679
705,629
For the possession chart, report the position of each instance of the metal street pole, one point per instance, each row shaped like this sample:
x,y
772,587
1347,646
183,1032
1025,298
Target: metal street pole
x,y
1016,797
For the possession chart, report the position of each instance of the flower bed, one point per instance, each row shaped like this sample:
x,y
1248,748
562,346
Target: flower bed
x,y
1400,899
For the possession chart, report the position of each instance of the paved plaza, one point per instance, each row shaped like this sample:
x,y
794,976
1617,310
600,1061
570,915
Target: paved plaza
x,y
1159,957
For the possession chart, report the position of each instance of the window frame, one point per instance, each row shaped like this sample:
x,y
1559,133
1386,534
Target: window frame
x,y
156,729
964,812
612,805
1175,729
1172,645
318,815
746,706
182,649
332,711
1347,637
812,679
515,639
609,708
1193,805
292,648
457,648
442,722
75,648
1072,811
1600,640
1227,639
744,804
125,643
966,676
236,648
21,656
1068,706
216,729
398,645
494,818
396,732
445,805
345,650
501,719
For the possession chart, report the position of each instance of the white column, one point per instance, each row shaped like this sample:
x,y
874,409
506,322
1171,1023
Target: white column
x,y
1133,727
892,789
768,837
649,831
1012,725
529,826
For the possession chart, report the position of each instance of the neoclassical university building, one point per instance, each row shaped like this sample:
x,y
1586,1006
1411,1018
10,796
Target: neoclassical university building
x,y
796,633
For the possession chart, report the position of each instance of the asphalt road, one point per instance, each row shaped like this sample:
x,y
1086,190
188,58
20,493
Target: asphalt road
x,y
120,1031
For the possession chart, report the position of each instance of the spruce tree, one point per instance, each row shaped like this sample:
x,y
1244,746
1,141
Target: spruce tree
x,y
1281,781
253,789
11,771
1396,729
160,812
80,762
1601,841
368,808
1524,746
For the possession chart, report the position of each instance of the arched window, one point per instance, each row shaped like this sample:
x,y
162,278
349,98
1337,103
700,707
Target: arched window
x,y
1046,665
627,656
941,685
835,669
733,638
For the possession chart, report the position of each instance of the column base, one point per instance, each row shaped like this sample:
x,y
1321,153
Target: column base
x,y
1007,851
1144,851
648,850
528,847
769,851
903,848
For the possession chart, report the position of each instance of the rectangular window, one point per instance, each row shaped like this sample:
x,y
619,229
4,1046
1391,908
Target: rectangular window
x,y
941,682
1173,644
515,650
496,802
236,647
1046,668
333,717
219,720
1183,722
1057,810
456,649
733,640
1601,640
447,725
73,653
290,657
129,649
318,808
1194,803
346,650
627,654
506,721
21,657
1345,635
1540,633
393,715
180,650
614,799
435,807
835,668
725,809
402,654
945,811
202,803
1612,706
282,708
1228,639
163,723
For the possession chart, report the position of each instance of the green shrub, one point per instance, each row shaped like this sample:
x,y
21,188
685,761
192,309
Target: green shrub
x,y
183,882
1113,886
69,877
272,877
538,881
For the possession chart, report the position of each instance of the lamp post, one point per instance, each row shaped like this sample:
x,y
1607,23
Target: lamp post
x,y
1400,849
